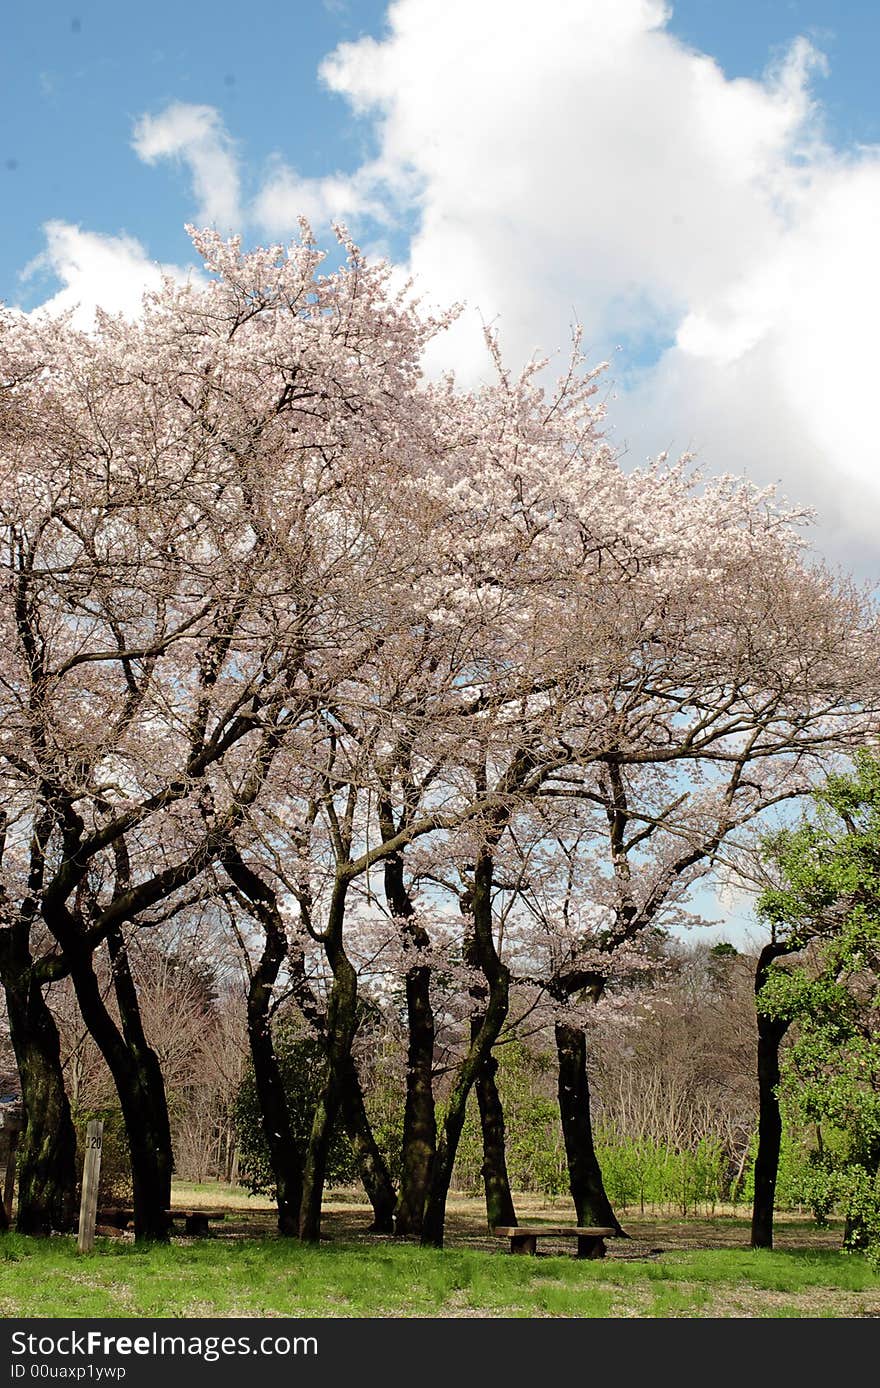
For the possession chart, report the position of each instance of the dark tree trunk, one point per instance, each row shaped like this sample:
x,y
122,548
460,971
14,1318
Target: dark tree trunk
x,y
275,1118
47,1146
771,1031
419,1114
146,1125
284,1154
315,1164
584,1173
339,1035
770,1034
483,953
139,1085
499,1200
371,1164
149,1142
341,1026
151,1134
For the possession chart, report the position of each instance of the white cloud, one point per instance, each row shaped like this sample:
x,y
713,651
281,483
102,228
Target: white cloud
x,y
112,272
286,196
196,136
575,159
777,369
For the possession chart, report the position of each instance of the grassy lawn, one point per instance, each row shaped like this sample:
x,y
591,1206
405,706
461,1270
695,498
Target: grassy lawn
x,y
266,1276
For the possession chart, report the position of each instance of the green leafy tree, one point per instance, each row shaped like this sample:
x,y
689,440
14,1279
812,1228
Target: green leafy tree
x,y
303,1067
829,899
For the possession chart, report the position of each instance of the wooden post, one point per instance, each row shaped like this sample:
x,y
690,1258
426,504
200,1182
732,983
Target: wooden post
x,y
88,1207
9,1178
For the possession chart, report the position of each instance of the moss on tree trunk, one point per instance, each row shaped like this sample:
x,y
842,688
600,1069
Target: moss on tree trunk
x,y
372,1166
47,1146
496,1182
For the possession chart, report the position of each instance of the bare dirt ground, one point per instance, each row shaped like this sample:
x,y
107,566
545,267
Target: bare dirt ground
x,y
346,1217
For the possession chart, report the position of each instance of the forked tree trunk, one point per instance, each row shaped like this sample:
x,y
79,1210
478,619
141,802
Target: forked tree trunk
x,y
146,1125
483,1038
372,1166
496,1183
584,1172
47,1145
151,1134
284,1157
284,1154
141,1090
339,1033
434,1223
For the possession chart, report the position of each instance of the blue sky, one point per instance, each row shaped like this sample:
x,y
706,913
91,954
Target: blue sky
x,y
698,184
76,77
743,36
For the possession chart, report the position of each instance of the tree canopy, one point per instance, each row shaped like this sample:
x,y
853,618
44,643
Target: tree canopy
x,y
281,613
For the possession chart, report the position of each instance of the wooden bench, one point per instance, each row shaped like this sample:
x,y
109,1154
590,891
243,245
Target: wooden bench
x,y
195,1221
524,1237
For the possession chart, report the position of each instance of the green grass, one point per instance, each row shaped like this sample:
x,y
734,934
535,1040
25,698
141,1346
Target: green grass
x,y
273,1277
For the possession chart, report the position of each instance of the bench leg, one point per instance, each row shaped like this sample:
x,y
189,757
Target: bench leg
x,y
197,1224
590,1247
523,1243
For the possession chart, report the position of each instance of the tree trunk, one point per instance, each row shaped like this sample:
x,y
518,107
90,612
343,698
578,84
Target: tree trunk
x,y
47,1146
482,952
339,1035
371,1163
499,1200
315,1164
150,1136
770,1034
419,1114
284,1156
584,1173
771,1030
434,1222
372,1166
141,1090
341,1026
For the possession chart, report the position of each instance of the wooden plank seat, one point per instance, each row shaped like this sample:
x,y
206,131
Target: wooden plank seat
x,y
524,1237
195,1221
